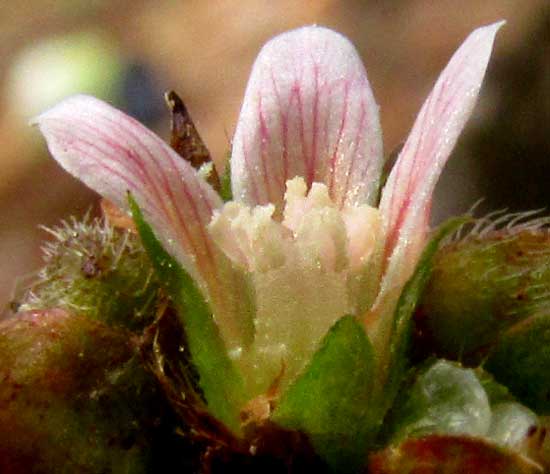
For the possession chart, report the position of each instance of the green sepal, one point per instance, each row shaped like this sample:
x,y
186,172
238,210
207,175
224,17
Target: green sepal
x,y
400,342
329,402
521,361
221,383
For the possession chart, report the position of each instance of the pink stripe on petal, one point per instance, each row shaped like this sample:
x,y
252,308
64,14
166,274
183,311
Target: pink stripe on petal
x,y
100,145
113,154
308,111
406,198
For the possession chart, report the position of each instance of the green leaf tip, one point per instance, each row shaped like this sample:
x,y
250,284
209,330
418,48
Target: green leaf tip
x,y
219,380
329,402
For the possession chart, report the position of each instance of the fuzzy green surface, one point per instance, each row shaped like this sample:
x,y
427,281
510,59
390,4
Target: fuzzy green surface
x,y
482,285
93,269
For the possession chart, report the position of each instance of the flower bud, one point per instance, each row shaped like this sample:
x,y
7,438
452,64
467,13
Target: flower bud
x,y
95,270
482,285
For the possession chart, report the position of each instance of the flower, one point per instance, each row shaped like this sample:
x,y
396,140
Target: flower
x,y
306,239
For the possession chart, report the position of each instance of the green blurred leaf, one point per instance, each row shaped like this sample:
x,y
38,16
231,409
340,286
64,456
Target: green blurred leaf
x,y
220,381
444,399
53,68
521,361
330,400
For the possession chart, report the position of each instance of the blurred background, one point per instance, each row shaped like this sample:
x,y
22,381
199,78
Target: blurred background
x,y
130,52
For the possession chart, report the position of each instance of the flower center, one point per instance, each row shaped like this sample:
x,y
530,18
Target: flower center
x,y
304,271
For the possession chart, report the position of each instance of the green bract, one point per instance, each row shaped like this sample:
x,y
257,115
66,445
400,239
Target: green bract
x,y
396,361
332,400
221,384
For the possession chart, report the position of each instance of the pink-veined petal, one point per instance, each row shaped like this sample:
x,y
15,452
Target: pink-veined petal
x,y
113,154
308,111
406,198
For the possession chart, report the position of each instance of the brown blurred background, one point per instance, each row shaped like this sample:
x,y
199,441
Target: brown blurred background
x,y
130,52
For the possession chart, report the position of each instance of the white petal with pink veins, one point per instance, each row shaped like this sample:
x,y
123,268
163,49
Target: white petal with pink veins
x,y
114,154
406,198
308,111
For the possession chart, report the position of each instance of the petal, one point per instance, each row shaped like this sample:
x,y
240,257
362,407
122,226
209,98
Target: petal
x,y
308,111
114,154
406,198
